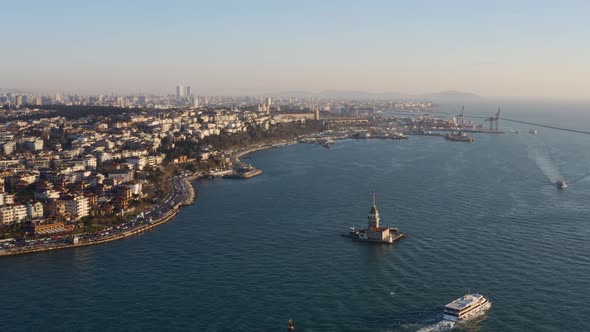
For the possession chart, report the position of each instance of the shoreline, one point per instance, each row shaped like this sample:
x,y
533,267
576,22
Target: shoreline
x,y
190,196
252,171
246,151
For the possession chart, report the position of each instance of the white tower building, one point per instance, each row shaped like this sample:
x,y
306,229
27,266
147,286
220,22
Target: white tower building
x,y
374,219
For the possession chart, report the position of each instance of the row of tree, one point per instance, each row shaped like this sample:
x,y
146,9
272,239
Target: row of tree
x,y
259,135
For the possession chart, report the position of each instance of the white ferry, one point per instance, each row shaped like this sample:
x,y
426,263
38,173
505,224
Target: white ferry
x,y
466,307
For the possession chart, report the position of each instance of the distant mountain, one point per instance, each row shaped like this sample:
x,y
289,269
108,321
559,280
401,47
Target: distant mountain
x,y
452,95
359,95
344,94
11,90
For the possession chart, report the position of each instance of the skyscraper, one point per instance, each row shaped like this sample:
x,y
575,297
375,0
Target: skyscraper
x,y
179,92
187,91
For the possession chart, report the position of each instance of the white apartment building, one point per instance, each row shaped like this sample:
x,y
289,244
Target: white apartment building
x,y
139,163
77,206
90,162
10,214
34,210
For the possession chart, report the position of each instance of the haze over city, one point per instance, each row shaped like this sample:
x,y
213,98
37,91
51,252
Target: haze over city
x,y
327,165
523,49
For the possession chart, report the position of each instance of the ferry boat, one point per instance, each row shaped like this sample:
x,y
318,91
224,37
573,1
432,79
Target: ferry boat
x,y
466,307
459,137
561,184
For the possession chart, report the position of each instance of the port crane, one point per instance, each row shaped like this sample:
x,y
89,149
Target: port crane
x,y
494,120
462,116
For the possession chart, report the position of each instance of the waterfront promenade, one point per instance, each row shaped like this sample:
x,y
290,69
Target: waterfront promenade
x,y
183,193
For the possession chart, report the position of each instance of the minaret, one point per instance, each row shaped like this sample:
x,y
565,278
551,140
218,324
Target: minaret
x,y
374,215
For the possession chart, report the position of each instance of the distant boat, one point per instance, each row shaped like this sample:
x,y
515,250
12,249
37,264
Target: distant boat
x,y
517,132
459,137
561,184
533,131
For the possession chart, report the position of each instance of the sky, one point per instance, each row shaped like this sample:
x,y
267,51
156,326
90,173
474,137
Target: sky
x,y
513,48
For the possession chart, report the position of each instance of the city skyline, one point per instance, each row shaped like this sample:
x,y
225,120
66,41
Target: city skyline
x,y
265,48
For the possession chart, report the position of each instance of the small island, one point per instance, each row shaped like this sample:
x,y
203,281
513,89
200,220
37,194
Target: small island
x,y
375,232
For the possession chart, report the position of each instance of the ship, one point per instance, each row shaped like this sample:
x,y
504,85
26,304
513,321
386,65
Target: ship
x,y
466,307
561,184
459,137
533,131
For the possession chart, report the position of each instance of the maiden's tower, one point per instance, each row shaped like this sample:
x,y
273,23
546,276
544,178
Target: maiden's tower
x,y
375,232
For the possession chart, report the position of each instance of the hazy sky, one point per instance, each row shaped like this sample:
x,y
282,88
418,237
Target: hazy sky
x,y
493,48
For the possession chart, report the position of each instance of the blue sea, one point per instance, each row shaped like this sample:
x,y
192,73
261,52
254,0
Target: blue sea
x,y
248,255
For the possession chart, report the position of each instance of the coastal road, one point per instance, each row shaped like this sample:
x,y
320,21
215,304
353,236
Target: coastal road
x,y
181,194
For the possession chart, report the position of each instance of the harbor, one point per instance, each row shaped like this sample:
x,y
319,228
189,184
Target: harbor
x,y
282,248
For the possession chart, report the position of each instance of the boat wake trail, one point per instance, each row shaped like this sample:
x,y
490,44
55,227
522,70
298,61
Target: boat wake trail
x,y
443,325
546,166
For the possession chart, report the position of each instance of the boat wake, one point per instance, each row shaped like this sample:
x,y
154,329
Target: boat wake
x,y
546,166
443,325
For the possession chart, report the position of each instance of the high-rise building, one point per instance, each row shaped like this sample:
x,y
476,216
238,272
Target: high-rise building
x,y
195,101
187,91
179,92
268,101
